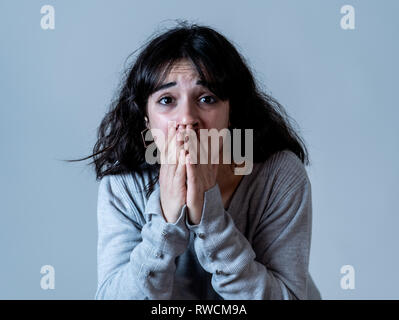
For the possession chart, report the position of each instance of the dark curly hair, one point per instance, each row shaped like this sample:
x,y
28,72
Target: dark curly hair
x,y
119,147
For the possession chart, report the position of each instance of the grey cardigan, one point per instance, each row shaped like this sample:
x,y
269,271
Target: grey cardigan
x,y
258,248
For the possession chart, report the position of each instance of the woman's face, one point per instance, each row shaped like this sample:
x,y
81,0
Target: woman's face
x,y
183,100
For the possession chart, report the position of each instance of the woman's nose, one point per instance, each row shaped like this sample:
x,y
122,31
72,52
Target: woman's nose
x,y
188,115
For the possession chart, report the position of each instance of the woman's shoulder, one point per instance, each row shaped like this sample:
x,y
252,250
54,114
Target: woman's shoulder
x,y
131,182
281,175
129,189
282,172
284,164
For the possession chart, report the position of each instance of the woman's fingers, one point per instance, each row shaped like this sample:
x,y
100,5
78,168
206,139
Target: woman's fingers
x,y
181,165
166,145
194,213
173,177
190,168
191,144
205,150
180,140
172,149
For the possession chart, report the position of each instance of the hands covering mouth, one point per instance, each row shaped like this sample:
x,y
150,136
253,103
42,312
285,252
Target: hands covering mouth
x,y
185,180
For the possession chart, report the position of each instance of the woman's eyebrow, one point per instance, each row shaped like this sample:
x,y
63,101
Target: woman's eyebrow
x,y
171,84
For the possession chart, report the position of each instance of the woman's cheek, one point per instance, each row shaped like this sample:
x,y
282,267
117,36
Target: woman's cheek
x,y
159,137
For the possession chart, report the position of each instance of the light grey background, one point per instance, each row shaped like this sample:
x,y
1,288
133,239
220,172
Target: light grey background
x,y
340,86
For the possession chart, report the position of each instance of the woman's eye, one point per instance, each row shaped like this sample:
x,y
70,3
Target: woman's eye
x,y
205,99
165,100
208,99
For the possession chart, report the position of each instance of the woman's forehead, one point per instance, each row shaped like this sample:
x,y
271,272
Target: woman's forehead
x,y
182,68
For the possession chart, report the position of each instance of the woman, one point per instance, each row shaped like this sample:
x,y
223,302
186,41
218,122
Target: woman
x,y
188,230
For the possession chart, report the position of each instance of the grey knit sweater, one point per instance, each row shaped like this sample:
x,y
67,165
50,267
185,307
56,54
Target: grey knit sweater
x,y
258,248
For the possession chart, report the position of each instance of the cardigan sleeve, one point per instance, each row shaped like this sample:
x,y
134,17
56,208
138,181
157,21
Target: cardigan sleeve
x,y
135,262
283,236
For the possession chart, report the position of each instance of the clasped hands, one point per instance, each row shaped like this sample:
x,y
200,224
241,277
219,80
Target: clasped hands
x,y
182,178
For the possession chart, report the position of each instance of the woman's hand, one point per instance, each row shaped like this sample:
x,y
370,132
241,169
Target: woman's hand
x,y
200,178
172,175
